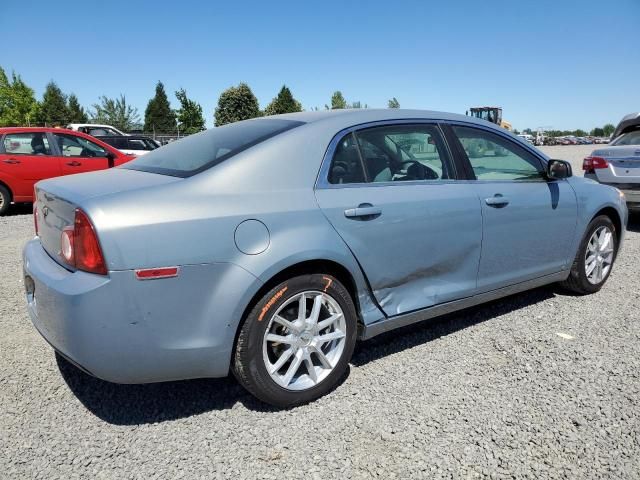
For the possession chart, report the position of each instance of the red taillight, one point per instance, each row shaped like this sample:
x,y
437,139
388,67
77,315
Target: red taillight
x,y
594,163
79,246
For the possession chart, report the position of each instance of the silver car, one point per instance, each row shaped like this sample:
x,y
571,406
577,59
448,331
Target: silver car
x,y
618,164
267,247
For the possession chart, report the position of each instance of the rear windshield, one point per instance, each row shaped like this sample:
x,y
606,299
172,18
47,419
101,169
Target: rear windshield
x,y
629,138
199,152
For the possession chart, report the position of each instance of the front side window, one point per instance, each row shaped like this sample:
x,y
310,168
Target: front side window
x,y
72,146
26,144
391,153
199,152
493,157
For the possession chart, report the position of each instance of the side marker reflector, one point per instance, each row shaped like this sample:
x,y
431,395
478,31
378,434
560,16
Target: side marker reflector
x,y
157,273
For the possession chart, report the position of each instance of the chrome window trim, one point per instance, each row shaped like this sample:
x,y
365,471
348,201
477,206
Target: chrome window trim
x,y
322,180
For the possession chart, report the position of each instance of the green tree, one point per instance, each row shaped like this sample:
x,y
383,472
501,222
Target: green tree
x,y
190,118
75,110
158,117
393,103
53,108
18,104
235,104
608,129
116,112
597,132
283,103
338,101
580,133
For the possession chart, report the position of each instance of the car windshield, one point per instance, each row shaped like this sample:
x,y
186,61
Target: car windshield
x,y
630,138
199,152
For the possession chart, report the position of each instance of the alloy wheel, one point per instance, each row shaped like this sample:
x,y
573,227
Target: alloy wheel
x,y
304,340
599,255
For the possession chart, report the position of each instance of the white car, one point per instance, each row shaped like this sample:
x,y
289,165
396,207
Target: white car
x,y
95,130
131,144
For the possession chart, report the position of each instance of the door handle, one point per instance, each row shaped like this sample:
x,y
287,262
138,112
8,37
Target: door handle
x,y
74,164
363,210
12,161
497,201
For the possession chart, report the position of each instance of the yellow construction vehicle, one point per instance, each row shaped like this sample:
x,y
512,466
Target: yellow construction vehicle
x,y
490,114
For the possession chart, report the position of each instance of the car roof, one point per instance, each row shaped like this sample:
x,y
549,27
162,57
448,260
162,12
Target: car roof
x,y
371,115
35,129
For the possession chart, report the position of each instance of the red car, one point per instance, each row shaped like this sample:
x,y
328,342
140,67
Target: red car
x,y
28,155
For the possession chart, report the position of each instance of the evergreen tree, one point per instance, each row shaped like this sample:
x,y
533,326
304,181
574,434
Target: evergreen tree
x,y
18,104
338,101
75,111
283,103
53,109
393,103
158,117
116,112
190,118
235,104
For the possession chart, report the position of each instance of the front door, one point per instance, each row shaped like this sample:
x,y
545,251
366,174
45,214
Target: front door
x,y
79,155
25,159
391,193
529,222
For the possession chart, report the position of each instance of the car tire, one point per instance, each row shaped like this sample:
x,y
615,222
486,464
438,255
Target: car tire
x,y
5,199
582,282
263,366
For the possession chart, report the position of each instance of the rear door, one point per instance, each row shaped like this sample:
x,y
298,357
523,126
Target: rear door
x,y
392,194
26,158
528,221
77,154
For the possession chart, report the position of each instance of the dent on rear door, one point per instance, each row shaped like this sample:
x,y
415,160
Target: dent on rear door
x,y
422,250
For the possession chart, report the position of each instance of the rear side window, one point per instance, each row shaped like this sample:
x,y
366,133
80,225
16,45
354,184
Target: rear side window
x,y
346,166
26,144
391,153
204,150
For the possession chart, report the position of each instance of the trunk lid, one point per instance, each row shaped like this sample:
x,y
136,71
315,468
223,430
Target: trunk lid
x,y
58,198
624,162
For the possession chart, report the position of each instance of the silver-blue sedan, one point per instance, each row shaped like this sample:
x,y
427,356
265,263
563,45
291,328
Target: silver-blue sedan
x,y
267,247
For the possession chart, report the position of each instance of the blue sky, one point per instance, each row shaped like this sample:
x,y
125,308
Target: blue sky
x,y
562,63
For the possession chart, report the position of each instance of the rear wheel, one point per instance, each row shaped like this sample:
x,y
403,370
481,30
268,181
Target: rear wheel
x,y
595,257
5,199
296,343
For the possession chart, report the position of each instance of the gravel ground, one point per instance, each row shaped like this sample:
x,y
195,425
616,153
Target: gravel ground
x,y
494,391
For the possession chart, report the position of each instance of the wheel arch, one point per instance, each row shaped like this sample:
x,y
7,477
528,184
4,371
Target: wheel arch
x,y
614,215
6,185
318,265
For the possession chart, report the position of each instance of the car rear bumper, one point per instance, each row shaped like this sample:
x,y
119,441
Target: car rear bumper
x,y
125,330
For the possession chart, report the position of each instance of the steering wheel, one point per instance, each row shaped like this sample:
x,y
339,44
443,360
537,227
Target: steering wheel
x,y
419,171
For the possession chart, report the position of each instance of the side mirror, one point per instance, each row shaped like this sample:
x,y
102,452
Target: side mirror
x,y
559,169
110,159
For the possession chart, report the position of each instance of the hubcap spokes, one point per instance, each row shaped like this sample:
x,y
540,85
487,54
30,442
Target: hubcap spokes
x,y
599,255
304,340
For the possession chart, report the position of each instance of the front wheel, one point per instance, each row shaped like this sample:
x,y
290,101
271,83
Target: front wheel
x,y
595,257
296,343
